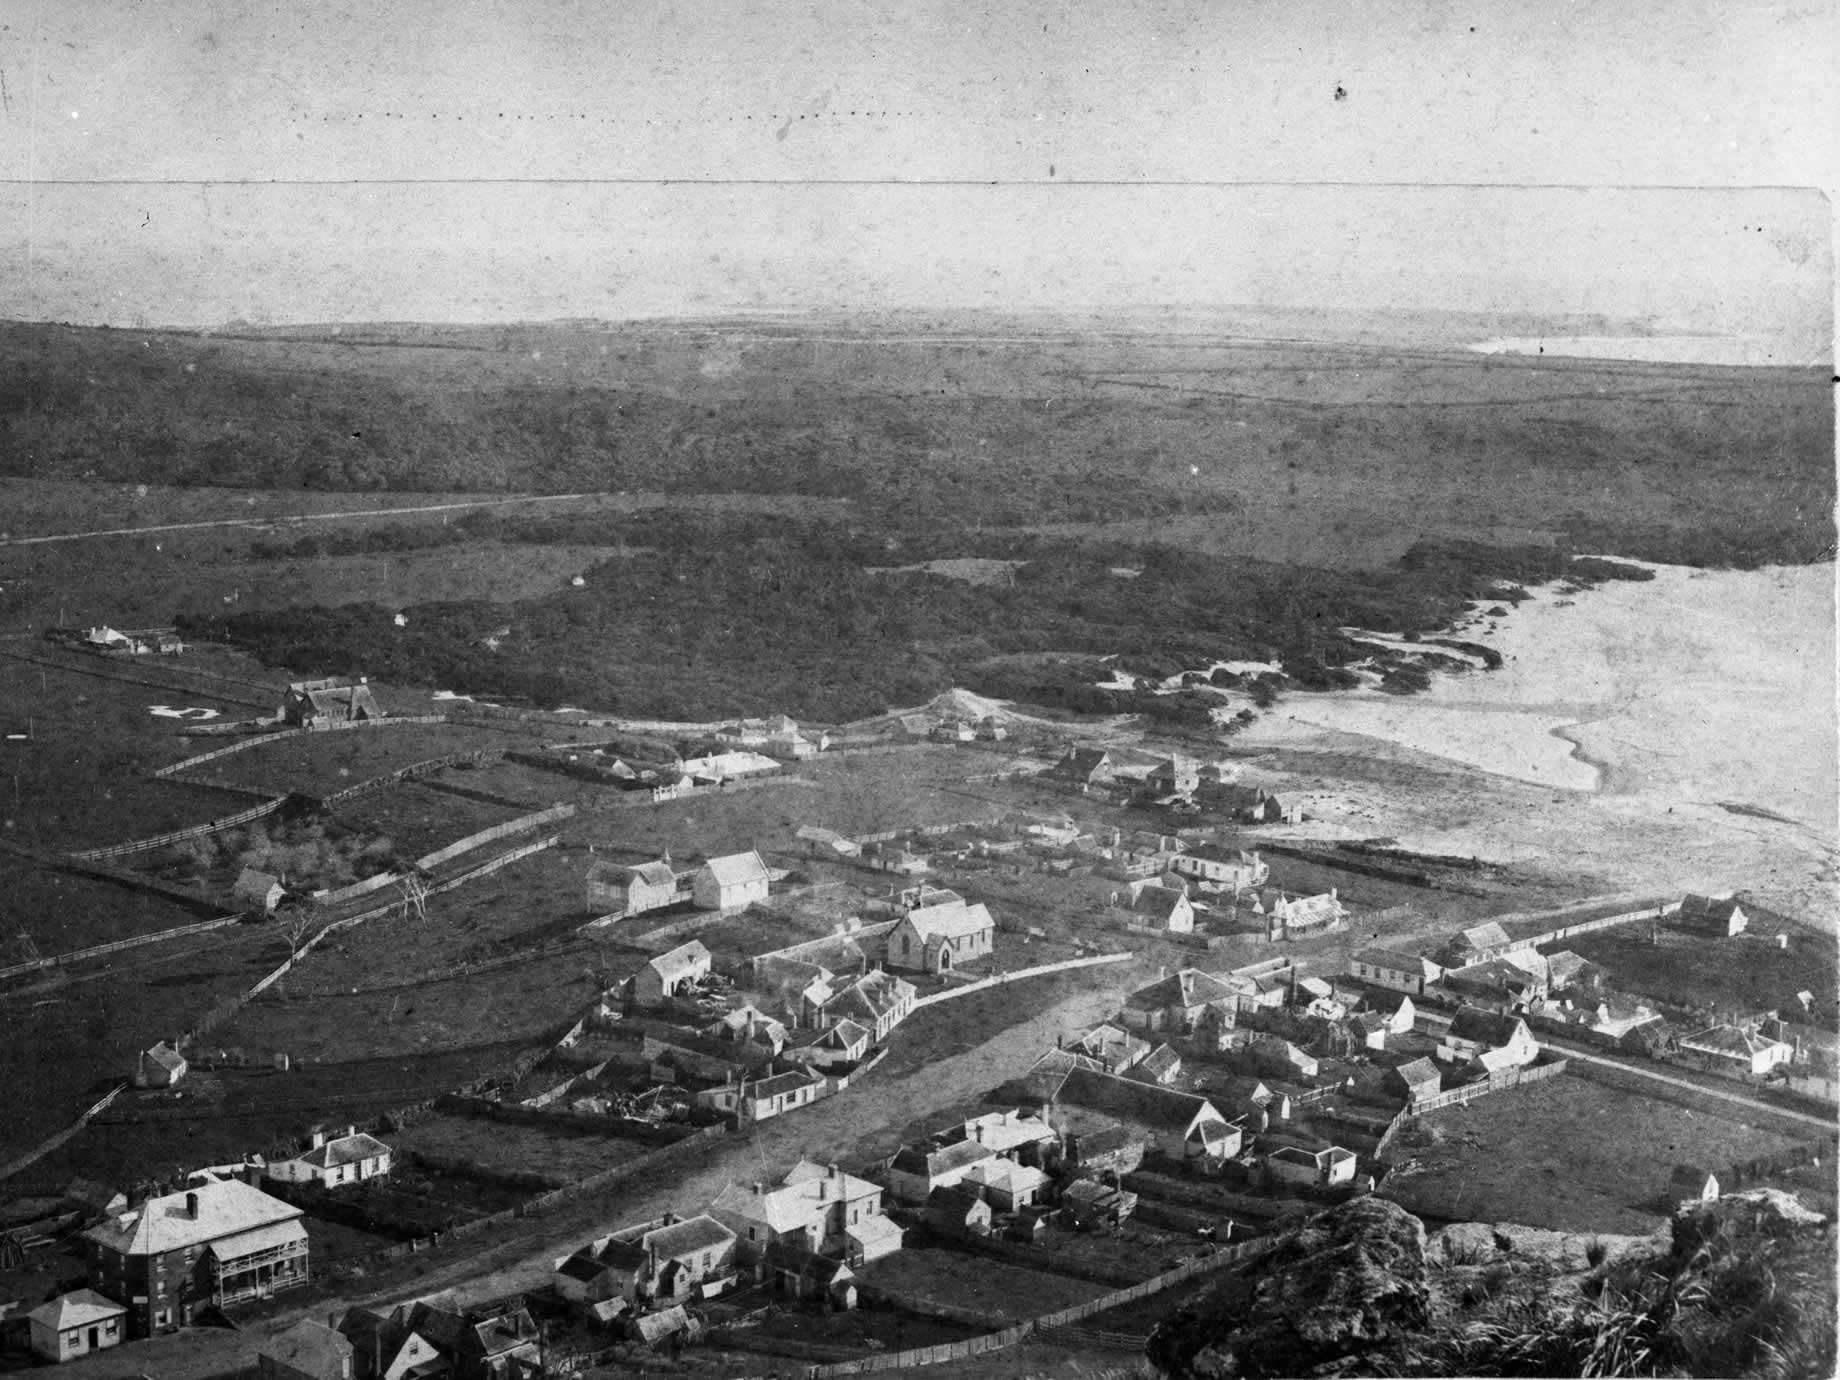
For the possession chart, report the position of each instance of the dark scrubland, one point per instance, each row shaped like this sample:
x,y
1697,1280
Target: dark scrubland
x,y
1263,494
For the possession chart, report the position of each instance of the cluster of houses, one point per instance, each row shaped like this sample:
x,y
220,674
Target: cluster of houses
x,y
1175,784
155,1265
121,642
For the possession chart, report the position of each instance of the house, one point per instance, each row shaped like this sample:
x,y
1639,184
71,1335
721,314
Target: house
x,y
718,767
332,1161
954,731
836,1045
958,1212
1160,1066
815,1208
1173,776
1004,1184
1394,1008
1402,972
1088,1203
919,1171
1164,908
1479,942
939,932
1278,1058
1111,1047
669,973
1299,917
1323,1168
1690,1186
259,890
1081,767
97,1200
1474,1032
1173,1003
1419,1078
76,1324
218,1242
1721,919
1368,1030
1103,1148
1177,1124
652,1267
802,1274
766,1098
877,1001
734,882
309,1350
328,703
617,889
498,1342
749,1025
1569,972
1735,1045
991,730
1230,869
1498,981
385,1347
1246,804
159,1067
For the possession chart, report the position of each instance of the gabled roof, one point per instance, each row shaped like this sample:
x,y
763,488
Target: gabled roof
x,y
226,1208
1419,1073
700,1233
1485,1027
165,1056
1082,763
738,869
950,920
1184,988
1728,1040
780,1084
1162,1062
1691,1178
869,997
311,1348
1143,1103
1160,901
1565,967
1694,907
655,874
956,1203
1488,935
680,962
1109,1041
79,1308
930,1161
251,882
806,1193
350,1149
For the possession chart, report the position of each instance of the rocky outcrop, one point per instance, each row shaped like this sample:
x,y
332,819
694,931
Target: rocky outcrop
x,y
1345,1283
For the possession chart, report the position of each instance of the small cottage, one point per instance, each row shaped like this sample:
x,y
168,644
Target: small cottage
x,y
76,1324
159,1067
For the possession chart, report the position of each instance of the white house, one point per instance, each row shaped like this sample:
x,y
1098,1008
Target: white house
x,y
670,972
76,1324
1164,908
259,890
1227,868
1402,972
333,1161
939,932
1475,1033
159,1067
1311,1168
1731,1044
733,882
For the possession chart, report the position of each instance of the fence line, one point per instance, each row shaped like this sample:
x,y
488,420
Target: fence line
x,y
378,783
1091,961
117,850
50,1143
498,831
239,746
132,942
1496,1082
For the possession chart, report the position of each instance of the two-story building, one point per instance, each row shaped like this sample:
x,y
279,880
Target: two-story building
x,y
218,1242
816,1208
655,1266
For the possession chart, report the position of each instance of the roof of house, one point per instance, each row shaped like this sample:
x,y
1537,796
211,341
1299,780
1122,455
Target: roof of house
x,y
310,1347
251,882
1393,960
1160,901
1082,762
1162,1062
1006,1176
1728,1040
1369,1023
780,1084
1385,1002
165,1056
738,869
957,1202
1185,988
1109,1040
655,874
1565,967
1694,907
1491,973
950,919
1004,1131
802,1195
1213,852
1320,909
664,1322
92,1194
869,997
350,1149
1488,935
1419,1073
1124,1099
79,1308
700,1233
680,962
226,1207
930,1161
1485,1027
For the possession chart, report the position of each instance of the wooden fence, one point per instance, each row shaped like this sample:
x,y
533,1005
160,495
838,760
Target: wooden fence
x,y
401,774
1091,961
50,1143
496,832
241,745
117,850
132,942
1048,1323
1496,1082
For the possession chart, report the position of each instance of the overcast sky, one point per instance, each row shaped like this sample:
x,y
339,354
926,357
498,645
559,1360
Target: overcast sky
x,y
190,164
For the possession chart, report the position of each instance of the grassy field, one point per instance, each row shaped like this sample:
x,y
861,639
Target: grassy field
x,y
501,1145
60,911
321,763
418,820
1567,1154
1746,973
937,1275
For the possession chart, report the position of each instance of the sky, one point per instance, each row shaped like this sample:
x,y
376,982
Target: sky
x,y
1661,160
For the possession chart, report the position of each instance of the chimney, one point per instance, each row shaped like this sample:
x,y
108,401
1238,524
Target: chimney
x,y
757,1190
191,1206
832,1168
319,1139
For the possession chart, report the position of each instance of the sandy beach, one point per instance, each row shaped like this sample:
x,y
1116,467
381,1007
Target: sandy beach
x,y
1643,711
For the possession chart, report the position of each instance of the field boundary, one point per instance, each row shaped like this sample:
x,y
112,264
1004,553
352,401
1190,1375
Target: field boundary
x,y
50,1143
1065,965
1496,1082
115,946
146,845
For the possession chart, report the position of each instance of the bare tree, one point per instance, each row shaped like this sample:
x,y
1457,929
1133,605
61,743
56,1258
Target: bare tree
x,y
414,897
296,922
